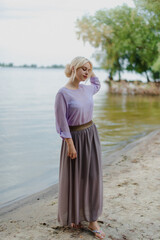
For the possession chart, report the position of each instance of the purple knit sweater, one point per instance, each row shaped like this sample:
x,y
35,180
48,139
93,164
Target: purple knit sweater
x,y
74,107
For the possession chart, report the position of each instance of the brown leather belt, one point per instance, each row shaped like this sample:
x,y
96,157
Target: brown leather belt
x,y
80,127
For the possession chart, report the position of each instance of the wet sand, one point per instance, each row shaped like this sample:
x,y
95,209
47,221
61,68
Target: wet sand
x,y
131,209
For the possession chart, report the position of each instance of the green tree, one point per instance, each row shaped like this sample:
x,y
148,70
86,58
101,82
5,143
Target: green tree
x,y
33,66
10,65
151,7
151,10
124,39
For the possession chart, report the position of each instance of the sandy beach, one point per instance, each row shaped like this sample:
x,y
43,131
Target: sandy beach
x,y
131,209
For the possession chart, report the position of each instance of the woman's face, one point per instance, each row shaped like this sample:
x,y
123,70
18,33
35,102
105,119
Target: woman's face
x,y
83,72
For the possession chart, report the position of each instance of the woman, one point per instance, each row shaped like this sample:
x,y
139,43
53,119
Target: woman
x,y
80,175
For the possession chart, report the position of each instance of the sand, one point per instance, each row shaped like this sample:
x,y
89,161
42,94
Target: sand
x,y
131,180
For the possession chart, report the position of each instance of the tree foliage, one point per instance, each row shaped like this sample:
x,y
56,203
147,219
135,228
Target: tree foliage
x,y
124,38
151,7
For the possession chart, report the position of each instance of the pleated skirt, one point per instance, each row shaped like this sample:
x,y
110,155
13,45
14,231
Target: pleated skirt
x,y
80,195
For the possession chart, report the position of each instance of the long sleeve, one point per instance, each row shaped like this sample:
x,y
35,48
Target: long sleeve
x,y
61,116
95,84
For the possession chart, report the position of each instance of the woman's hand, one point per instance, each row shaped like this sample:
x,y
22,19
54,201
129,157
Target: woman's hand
x,y
92,74
71,148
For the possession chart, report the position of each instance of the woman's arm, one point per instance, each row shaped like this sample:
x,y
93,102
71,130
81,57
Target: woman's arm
x,y
62,124
60,116
95,83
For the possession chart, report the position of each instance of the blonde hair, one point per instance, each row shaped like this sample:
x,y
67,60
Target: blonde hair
x,y
76,63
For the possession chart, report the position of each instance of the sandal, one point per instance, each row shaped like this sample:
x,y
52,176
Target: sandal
x,y
97,232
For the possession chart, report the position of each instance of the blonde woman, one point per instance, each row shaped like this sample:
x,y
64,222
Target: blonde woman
x,y
80,175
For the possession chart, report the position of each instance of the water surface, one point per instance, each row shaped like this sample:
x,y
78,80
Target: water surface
x,y
29,144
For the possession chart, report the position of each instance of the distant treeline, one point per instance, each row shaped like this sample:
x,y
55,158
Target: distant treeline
x,y
30,66
11,65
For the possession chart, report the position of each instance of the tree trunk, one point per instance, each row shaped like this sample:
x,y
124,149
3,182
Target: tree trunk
x,y
148,80
110,76
119,75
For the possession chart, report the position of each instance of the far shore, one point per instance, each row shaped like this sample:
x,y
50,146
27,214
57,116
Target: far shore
x,y
131,201
124,87
35,66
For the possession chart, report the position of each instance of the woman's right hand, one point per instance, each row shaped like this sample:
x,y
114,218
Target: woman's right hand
x,y
71,149
92,74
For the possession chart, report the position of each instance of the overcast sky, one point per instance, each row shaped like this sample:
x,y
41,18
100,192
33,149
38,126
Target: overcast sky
x,y
43,31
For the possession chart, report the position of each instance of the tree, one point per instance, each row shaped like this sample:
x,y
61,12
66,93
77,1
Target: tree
x,y
151,9
124,39
156,65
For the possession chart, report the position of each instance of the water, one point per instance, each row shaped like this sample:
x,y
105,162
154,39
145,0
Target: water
x,y
122,119
29,144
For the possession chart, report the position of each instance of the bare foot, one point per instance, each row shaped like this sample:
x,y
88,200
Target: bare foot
x,y
73,225
93,226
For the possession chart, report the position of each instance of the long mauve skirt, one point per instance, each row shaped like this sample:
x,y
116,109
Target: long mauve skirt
x,y
80,180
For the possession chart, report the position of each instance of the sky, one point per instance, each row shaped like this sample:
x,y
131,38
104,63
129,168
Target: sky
x,y
43,32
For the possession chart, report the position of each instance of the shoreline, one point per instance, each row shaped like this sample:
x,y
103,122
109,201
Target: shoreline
x,y
37,213
53,189
31,199
124,87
